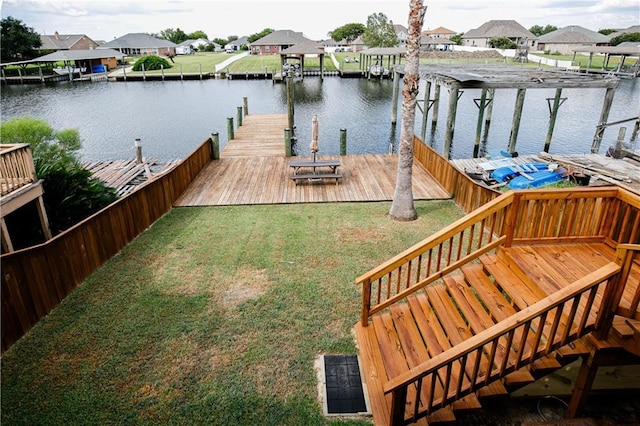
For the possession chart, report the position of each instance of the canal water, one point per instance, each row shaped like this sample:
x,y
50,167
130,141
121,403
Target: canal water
x,y
172,118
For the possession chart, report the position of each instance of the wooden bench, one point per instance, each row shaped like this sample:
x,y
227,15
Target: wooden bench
x,y
316,176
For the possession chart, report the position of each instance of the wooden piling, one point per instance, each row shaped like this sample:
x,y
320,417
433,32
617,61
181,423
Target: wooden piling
x,y
230,128
517,116
451,121
287,142
144,73
181,73
481,108
239,114
290,99
604,116
394,101
489,112
138,151
245,104
215,146
436,107
553,114
425,111
343,141
636,129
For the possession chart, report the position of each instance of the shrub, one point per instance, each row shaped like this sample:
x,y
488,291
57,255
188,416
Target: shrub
x,y
151,63
502,43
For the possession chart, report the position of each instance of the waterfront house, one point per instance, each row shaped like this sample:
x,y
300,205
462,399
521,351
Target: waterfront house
x,y
139,44
428,43
236,45
440,33
569,39
632,29
55,42
479,37
277,41
401,33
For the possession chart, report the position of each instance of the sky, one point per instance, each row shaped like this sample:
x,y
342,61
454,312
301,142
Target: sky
x,y
106,20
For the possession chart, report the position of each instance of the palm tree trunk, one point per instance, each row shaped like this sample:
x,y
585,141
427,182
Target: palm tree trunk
x,y
402,208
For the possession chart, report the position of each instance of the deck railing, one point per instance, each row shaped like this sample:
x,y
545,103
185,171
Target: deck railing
x,y
499,350
453,247
16,167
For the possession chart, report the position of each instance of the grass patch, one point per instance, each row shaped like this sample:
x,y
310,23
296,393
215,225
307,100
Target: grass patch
x,y
192,63
212,316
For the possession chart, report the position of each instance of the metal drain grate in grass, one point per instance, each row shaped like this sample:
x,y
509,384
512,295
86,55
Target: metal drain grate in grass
x,y
343,385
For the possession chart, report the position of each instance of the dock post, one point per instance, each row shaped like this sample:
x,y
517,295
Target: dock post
x,y
215,146
144,73
425,110
481,108
245,104
290,98
436,105
181,74
162,69
124,72
487,121
230,128
517,116
343,141
636,129
200,65
451,121
604,117
553,114
394,102
40,73
239,116
138,151
287,142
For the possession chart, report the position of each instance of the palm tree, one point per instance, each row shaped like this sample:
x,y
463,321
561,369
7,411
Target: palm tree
x,y
402,208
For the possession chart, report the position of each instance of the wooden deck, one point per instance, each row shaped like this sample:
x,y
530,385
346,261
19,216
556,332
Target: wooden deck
x,y
267,180
259,136
126,175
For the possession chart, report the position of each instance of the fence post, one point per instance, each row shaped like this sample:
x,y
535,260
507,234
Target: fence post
x,y
343,141
138,151
230,128
215,146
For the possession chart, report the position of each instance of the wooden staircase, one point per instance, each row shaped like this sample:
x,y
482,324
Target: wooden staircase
x,y
487,306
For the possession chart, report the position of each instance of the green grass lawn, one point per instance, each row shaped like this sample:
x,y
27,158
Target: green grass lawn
x,y
213,316
200,61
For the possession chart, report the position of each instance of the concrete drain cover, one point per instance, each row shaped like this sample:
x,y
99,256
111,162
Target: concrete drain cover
x,y
344,392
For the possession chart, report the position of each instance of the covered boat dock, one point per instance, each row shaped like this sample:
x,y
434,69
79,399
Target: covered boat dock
x,y
491,77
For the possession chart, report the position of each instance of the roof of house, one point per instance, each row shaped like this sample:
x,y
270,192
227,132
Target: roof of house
x,y
499,28
308,47
137,40
79,55
573,34
187,43
238,42
60,41
400,28
439,30
281,38
632,29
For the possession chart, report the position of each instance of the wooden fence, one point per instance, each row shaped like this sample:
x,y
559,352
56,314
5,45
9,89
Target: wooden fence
x,y
36,279
464,191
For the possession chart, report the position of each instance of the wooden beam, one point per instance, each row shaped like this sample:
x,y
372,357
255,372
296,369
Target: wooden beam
x,y
7,245
481,108
553,114
604,117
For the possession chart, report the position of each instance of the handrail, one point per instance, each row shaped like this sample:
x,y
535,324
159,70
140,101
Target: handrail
x,y
16,167
453,247
474,351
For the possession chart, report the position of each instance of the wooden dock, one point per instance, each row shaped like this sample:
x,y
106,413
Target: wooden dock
x,y
127,175
267,180
259,136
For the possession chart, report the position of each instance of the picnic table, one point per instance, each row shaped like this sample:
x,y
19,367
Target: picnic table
x,y
316,167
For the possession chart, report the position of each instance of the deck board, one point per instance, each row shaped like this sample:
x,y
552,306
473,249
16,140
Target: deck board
x,y
266,180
